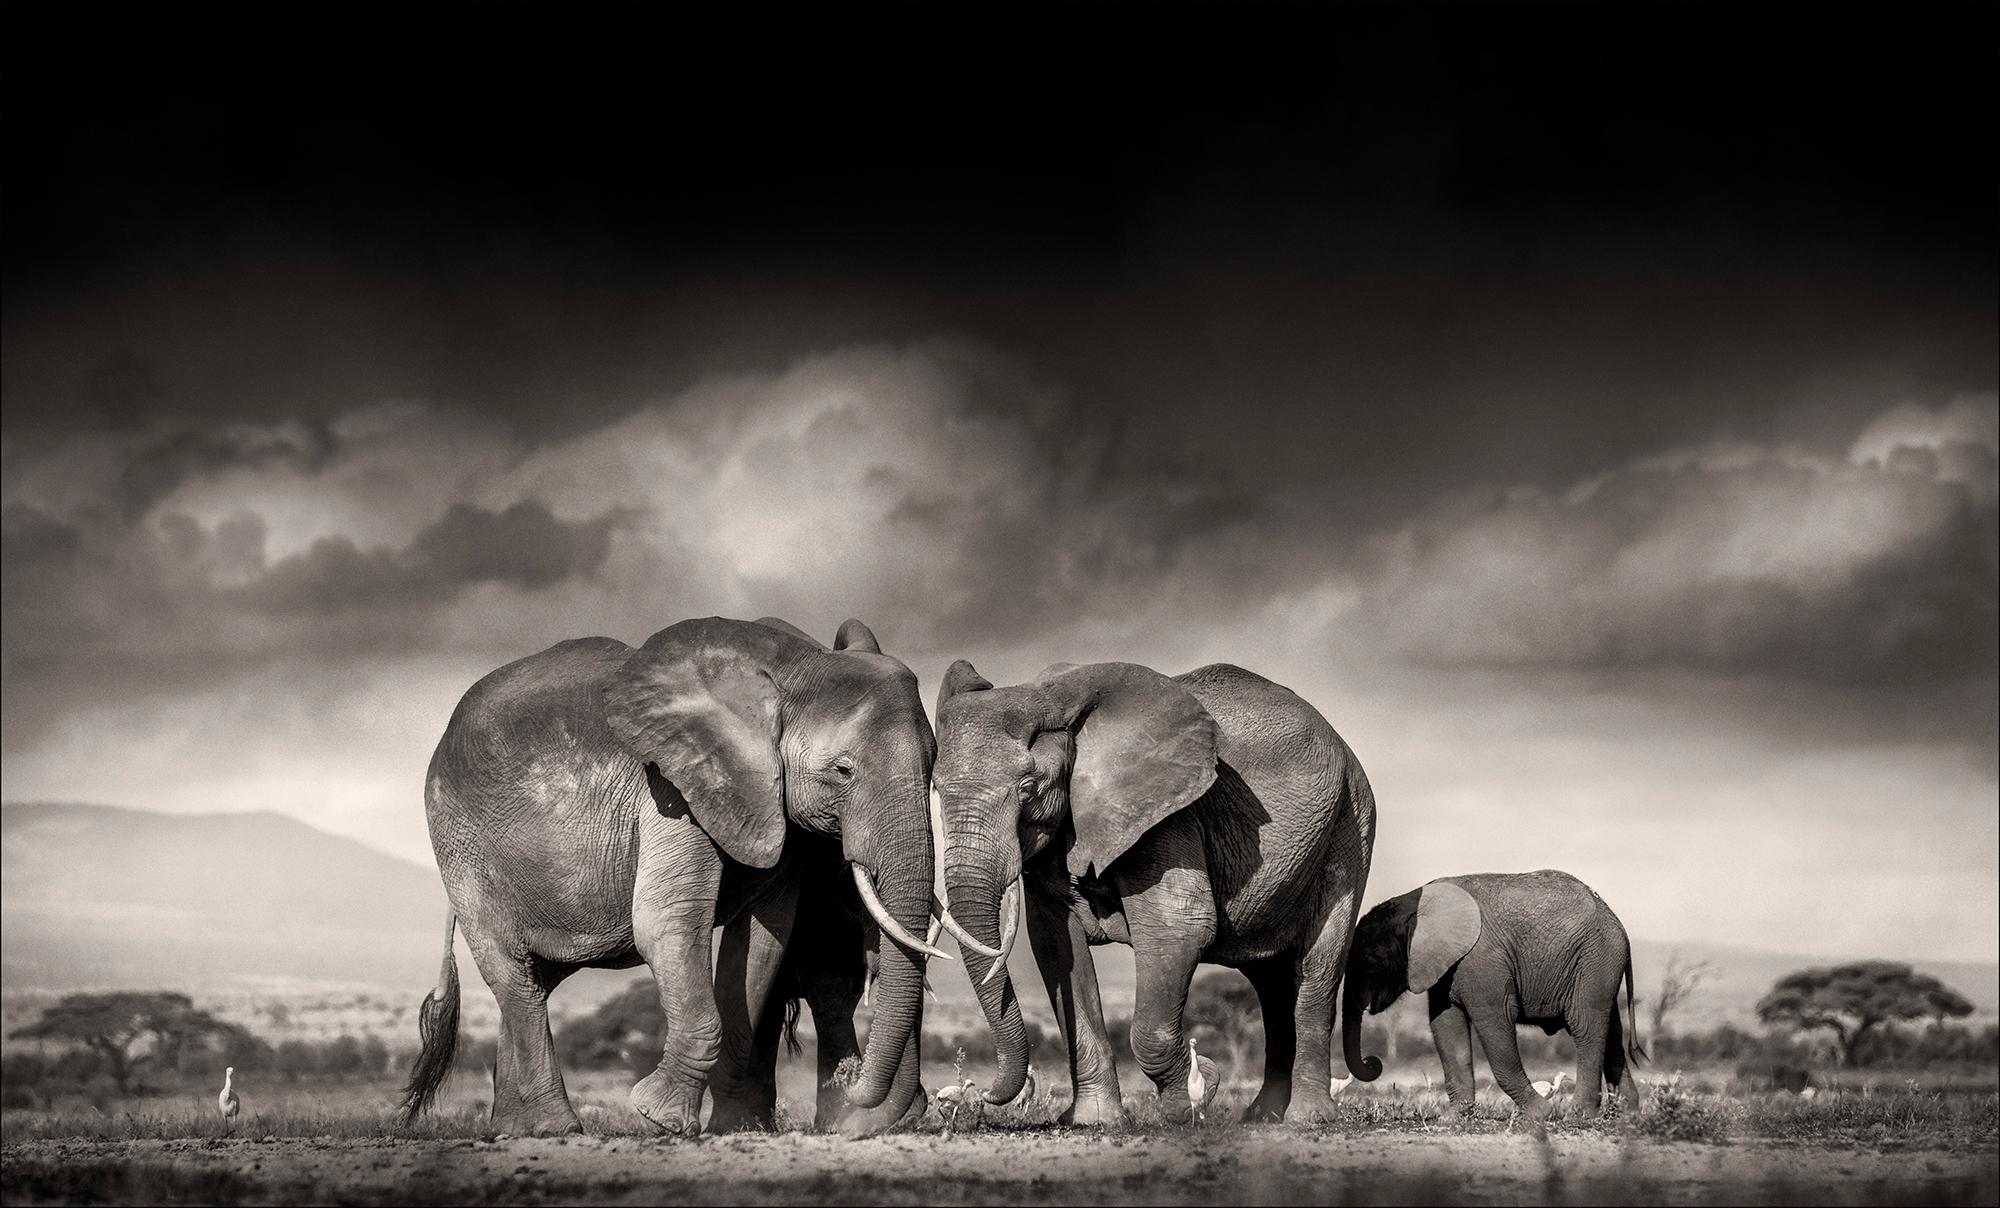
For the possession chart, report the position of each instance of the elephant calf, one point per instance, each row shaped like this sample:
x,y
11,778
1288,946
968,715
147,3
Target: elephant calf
x,y
1493,950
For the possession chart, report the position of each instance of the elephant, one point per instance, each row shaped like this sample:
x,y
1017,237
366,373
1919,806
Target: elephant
x,y
1207,817
1492,950
599,806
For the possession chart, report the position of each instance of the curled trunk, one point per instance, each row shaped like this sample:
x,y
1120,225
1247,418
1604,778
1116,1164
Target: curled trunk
x,y
1353,1003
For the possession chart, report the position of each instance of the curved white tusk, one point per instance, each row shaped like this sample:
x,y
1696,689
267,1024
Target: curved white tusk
x,y
890,927
958,932
1010,925
931,933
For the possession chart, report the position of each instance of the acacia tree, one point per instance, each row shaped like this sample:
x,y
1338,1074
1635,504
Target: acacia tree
x,y
113,1025
1678,984
1852,1000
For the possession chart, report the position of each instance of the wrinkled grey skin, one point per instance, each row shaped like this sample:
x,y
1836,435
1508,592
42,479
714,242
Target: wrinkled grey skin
x,y
599,806
1211,817
1548,952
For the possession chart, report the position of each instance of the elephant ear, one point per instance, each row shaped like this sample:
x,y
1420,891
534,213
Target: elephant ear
x,y
1144,748
961,677
784,626
1447,928
854,635
698,702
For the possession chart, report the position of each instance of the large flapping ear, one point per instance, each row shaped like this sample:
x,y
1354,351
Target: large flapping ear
x,y
960,678
854,635
1144,748
1447,928
697,701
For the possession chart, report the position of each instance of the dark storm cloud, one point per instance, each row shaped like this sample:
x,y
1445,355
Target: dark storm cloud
x,y
1729,561
99,611
523,546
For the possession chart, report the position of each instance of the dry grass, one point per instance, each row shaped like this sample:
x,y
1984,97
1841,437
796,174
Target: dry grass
x,y
1895,1113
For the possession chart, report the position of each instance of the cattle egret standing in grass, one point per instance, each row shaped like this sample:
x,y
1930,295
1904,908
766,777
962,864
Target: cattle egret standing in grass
x,y
954,1097
227,1101
1547,1090
1809,1092
1202,1084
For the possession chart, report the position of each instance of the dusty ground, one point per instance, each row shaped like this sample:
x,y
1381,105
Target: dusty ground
x,y
1265,1165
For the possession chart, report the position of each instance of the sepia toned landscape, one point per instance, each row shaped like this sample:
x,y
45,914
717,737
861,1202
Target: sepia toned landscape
x,y
955,604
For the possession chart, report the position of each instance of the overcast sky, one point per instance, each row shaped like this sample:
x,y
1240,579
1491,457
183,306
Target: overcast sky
x,y
1596,421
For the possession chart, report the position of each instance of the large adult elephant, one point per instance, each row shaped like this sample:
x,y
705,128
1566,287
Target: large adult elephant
x,y
1492,950
1208,817
599,806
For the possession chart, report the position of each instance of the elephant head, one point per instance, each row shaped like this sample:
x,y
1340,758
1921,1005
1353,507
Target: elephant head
x,y
1405,944
750,727
1091,756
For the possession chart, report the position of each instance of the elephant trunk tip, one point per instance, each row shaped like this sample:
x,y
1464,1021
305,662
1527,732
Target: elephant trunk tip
x,y
862,1095
1369,1069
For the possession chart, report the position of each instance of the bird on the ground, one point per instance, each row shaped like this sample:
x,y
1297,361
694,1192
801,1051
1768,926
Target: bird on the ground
x,y
956,1097
227,1102
1547,1090
1202,1083
1809,1092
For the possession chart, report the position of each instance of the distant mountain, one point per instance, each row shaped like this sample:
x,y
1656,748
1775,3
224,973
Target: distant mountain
x,y
95,896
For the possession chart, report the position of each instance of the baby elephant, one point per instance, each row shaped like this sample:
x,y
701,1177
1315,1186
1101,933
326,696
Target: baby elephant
x,y
1493,950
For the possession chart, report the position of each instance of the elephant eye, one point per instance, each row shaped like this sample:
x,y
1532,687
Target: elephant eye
x,y
1026,788
843,767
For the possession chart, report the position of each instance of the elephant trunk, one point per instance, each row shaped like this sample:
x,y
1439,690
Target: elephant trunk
x,y
976,885
1353,1003
905,1092
903,862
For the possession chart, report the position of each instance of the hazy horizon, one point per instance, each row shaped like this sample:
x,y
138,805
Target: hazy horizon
x,y
1618,479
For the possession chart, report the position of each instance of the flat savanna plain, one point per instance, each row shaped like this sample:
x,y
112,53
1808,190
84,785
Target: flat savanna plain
x,y
1893,1143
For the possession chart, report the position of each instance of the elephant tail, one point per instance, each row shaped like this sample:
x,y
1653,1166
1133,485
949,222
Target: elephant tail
x,y
437,1029
1632,1009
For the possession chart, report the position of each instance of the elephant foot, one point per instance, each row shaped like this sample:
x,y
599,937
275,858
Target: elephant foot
x,y
1268,1107
1536,1109
1310,1110
672,1104
733,1115
1093,1111
537,1120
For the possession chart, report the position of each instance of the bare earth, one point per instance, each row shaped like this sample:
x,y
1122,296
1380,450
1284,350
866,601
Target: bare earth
x,y
1254,1166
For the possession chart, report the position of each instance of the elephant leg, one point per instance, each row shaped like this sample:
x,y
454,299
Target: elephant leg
x,y
1276,984
1062,953
1589,1029
1170,913
1617,1075
1319,974
744,1083
673,918
1164,971
1495,1026
1451,1031
528,1094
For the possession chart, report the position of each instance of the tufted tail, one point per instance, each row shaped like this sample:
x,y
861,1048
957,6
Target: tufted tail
x,y
437,1029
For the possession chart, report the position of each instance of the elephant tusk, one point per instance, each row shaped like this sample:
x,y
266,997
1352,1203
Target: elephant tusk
x,y
958,931
890,927
1010,925
931,933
